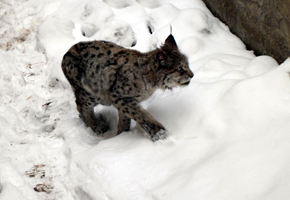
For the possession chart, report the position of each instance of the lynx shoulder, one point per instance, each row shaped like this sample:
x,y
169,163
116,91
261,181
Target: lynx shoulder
x,y
104,73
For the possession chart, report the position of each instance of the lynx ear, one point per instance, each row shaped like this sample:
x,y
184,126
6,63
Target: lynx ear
x,y
170,42
161,57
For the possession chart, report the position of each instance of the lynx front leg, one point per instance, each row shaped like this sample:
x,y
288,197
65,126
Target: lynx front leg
x,y
123,123
153,128
85,107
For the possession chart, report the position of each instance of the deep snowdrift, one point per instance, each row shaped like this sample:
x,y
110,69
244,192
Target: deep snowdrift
x,y
229,129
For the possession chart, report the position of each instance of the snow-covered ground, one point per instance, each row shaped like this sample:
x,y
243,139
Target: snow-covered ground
x,y
229,129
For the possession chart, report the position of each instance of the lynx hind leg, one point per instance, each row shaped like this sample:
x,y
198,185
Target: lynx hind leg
x,y
85,105
70,66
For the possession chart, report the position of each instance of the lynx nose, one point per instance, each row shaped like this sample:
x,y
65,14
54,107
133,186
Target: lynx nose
x,y
190,74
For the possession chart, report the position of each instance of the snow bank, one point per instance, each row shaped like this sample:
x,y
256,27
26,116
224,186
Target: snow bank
x,y
229,128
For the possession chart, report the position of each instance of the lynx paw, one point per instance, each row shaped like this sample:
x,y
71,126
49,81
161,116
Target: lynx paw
x,y
155,136
101,126
102,129
160,135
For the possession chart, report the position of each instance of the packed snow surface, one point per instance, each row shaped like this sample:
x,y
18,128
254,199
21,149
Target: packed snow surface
x,y
229,130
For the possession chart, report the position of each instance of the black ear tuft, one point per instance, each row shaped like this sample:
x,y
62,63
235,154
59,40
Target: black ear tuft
x,y
170,42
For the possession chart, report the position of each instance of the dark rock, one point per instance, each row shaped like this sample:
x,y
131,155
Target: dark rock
x,y
263,25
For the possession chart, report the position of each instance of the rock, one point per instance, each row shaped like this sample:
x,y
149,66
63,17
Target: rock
x,y
263,25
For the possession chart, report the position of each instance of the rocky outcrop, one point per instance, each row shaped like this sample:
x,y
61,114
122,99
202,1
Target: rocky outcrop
x,y
263,25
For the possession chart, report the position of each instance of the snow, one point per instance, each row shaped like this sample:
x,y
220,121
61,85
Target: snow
x,y
228,130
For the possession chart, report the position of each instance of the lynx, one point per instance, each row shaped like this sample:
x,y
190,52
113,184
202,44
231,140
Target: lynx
x,y
102,72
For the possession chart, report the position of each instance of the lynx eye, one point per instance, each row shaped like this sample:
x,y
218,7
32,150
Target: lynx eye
x,y
182,71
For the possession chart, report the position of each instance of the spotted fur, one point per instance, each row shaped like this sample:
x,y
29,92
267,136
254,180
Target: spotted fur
x,y
104,73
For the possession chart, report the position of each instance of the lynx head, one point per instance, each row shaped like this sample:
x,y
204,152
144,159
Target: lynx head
x,y
171,66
